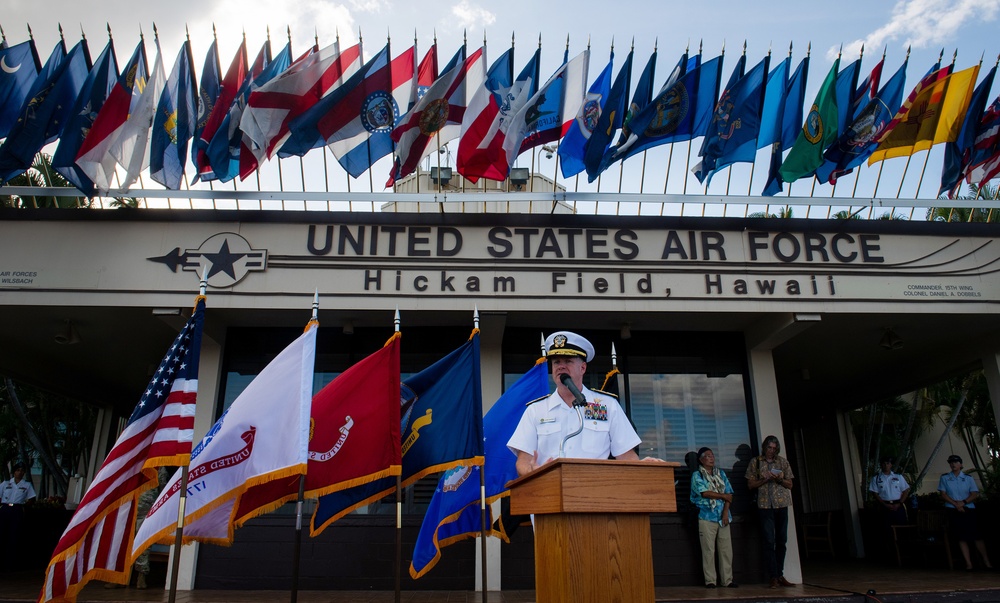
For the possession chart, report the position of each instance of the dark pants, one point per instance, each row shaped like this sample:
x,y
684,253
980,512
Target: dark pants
x,y
774,524
11,517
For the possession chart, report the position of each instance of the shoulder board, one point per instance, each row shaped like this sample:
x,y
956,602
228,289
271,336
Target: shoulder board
x,y
537,400
601,391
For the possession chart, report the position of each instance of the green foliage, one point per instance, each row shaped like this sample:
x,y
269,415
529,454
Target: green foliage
x,y
64,426
966,214
42,174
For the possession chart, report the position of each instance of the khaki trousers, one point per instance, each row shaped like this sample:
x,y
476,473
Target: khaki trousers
x,y
716,539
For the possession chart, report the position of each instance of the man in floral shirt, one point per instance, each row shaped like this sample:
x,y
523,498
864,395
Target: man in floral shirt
x,y
712,493
771,476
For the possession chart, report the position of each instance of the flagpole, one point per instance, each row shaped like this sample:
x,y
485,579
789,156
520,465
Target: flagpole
x,y
297,552
182,501
901,180
916,195
482,499
399,503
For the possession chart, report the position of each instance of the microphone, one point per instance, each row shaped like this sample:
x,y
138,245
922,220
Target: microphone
x,y
568,382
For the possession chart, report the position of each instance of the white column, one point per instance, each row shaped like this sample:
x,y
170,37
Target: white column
x,y
491,328
767,416
209,379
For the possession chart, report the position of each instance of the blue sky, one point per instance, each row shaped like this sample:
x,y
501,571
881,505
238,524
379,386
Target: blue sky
x,y
927,25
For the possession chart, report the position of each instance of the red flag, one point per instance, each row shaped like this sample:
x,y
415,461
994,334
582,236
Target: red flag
x,y
427,72
274,105
227,94
98,541
354,434
439,113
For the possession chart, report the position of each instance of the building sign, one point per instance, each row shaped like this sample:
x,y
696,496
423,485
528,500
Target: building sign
x,y
572,257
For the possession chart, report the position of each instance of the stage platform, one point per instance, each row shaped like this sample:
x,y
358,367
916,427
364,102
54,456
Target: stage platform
x,y
834,582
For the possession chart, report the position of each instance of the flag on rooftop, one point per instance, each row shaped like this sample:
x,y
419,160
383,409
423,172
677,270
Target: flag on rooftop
x,y
97,543
985,160
861,137
272,107
427,74
612,118
208,96
488,120
908,125
356,119
131,146
94,93
958,154
46,109
20,68
547,115
224,148
574,143
788,126
437,116
174,122
732,137
263,436
94,157
818,132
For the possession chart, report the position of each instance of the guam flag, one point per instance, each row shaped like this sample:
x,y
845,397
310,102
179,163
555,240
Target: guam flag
x,y
441,427
861,137
453,514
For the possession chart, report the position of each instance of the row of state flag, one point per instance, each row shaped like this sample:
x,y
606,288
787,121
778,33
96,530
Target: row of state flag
x,y
112,124
352,441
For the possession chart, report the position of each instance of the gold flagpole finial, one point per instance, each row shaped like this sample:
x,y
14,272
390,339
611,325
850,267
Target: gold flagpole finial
x,y
744,47
701,46
861,55
789,50
109,31
83,34
156,33
31,35
809,49
61,33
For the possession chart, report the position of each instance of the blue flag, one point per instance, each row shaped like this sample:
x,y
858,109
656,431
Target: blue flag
x,y
19,71
643,96
861,138
847,91
574,143
958,154
95,91
612,118
46,109
774,104
789,125
676,112
174,123
441,410
224,150
453,513
732,137
208,94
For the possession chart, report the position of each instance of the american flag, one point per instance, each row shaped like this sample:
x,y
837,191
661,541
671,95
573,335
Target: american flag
x,y
98,541
986,149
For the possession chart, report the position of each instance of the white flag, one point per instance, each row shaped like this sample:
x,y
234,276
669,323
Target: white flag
x,y
131,149
263,436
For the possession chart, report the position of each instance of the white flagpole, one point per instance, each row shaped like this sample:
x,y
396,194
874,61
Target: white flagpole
x,y
179,533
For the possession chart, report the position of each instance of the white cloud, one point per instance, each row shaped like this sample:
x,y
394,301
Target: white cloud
x,y
923,24
305,18
469,16
371,6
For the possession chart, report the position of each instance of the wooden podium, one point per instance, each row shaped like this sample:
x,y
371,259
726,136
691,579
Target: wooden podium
x,y
592,540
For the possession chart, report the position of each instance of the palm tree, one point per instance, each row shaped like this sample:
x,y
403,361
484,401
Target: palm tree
x,y
41,174
967,214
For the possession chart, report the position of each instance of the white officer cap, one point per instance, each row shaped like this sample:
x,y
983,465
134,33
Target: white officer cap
x,y
567,343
